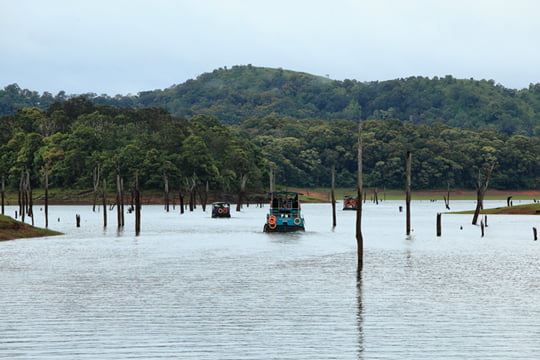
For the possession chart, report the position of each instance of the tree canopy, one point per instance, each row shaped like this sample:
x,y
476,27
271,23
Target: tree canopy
x,y
244,121
234,95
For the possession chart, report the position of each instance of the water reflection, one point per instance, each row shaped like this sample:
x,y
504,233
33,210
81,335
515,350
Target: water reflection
x,y
360,314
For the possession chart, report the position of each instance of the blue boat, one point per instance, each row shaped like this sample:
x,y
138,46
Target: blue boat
x,y
285,213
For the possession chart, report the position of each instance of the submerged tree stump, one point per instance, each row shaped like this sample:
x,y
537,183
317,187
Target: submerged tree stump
x,y
333,196
408,193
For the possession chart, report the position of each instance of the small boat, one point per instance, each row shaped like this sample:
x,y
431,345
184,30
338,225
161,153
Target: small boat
x,y
221,210
349,203
285,213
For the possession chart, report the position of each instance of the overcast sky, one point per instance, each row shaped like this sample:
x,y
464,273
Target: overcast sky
x,y
126,46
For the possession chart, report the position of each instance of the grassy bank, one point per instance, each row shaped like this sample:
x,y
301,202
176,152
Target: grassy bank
x,y
527,209
324,194
13,229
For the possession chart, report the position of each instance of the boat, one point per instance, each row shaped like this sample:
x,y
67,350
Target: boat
x,y
285,214
349,203
221,210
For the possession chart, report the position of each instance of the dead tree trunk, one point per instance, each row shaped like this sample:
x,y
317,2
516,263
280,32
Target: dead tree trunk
x,y
192,195
122,218
408,192
181,199
46,197
203,196
447,198
29,197
104,201
119,212
481,188
333,195
166,191
359,238
137,196
241,192
3,193
21,197
96,186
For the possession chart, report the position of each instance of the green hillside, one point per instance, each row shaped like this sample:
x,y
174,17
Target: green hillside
x,y
243,92
234,124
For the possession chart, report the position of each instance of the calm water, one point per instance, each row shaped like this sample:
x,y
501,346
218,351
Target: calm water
x,y
193,287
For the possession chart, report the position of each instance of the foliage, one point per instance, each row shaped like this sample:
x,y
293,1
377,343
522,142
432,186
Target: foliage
x,y
239,93
246,120
148,141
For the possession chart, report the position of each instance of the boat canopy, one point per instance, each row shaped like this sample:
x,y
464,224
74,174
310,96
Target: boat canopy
x,y
219,203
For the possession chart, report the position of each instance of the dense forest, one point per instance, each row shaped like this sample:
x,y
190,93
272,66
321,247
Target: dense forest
x,y
239,123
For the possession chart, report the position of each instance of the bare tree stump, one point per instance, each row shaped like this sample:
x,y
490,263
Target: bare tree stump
x,y
359,237
439,231
408,192
333,196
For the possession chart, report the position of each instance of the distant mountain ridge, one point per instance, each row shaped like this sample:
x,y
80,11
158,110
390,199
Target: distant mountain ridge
x,y
244,92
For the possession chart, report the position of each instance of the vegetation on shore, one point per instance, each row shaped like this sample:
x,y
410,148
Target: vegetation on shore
x,y
526,209
12,229
310,195
293,125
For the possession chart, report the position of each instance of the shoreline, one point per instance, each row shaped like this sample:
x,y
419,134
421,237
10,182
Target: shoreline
x,y
11,229
316,195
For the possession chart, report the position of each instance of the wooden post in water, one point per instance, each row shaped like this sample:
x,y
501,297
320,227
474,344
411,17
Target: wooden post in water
x,y
122,202
181,199
46,197
21,197
359,238
104,200
3,193
333,196
204,201
137,206
408,192
482,227
439,231
535,234
78,220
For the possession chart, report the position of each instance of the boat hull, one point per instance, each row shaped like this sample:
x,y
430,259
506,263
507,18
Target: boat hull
x,y
284,228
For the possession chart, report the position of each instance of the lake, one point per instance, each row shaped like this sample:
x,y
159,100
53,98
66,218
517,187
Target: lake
x,y
193,287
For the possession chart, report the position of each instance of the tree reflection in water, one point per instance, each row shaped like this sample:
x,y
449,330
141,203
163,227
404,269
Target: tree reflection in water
x,y
360,315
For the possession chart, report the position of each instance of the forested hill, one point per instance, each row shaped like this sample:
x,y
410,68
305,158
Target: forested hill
x,y
245,92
